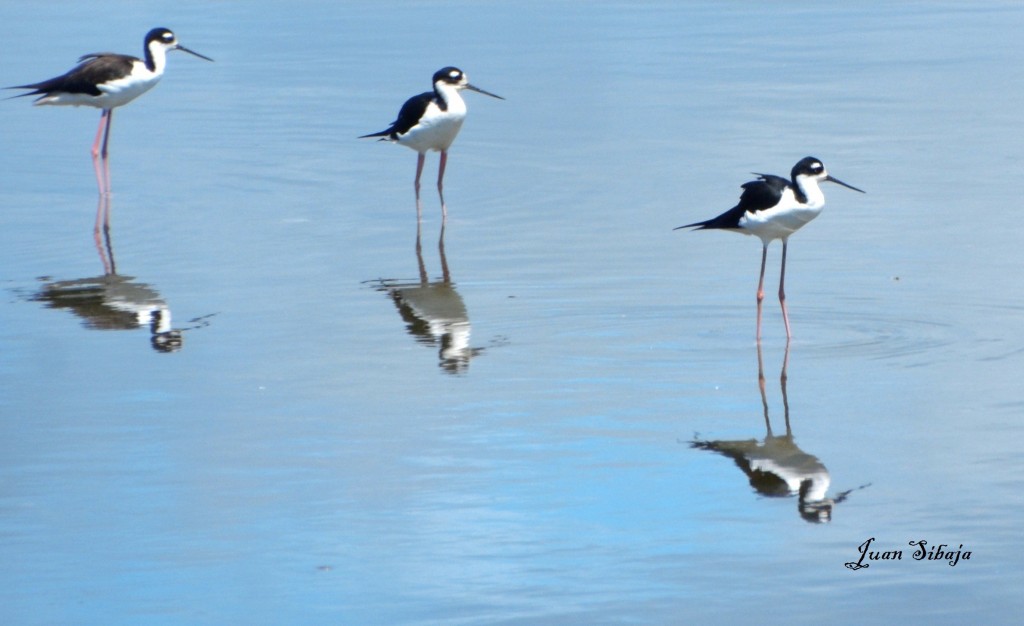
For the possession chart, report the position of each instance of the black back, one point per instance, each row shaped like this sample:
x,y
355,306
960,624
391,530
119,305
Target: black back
x,y
93,69
409,115
97,68
758,195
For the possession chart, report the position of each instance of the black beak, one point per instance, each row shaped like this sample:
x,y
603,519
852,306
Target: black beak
x,y
839,182
192,52
478,90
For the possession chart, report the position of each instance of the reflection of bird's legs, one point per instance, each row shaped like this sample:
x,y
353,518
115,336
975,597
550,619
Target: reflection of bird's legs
x,y
103,224
419,256
783,379
440,183
445,273
102,170
420,159
760,288
782,288
760,384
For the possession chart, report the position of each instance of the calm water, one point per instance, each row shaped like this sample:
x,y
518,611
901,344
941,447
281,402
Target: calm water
x,y
548,419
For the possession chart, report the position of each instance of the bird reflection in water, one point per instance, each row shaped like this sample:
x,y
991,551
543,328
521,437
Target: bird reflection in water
x,y
434,312
776,466
111,301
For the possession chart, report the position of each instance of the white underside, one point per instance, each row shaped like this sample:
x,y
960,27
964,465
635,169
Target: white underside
x,y
435,133
784,219
437,129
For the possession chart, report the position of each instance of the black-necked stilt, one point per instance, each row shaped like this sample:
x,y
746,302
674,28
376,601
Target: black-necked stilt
x,y
106,80
775,208
431,121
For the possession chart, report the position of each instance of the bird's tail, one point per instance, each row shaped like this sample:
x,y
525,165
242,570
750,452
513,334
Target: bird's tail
x,y
385,135
697,225
36,91
730,220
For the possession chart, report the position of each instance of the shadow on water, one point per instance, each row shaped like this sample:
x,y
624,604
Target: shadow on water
x,y
433,311
111,301
775,465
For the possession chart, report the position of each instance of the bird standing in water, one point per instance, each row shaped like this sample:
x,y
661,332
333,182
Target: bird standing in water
x,y
431,121
773,207
106,80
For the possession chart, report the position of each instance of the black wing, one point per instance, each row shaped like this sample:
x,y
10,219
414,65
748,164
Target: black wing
x,y
93,69
758,195
763,193
408,116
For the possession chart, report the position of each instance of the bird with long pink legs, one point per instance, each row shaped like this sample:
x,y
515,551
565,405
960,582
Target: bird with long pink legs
x,y
431,121
106,80
773,207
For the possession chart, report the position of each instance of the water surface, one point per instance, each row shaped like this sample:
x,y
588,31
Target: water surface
x,y
358,429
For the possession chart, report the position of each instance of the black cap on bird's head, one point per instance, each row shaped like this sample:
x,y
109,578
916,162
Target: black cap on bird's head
x,y
166,38
455,77
813,168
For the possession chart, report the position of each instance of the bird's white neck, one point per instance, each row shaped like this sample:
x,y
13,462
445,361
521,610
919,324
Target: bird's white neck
x,y
156,58
451,97
809,187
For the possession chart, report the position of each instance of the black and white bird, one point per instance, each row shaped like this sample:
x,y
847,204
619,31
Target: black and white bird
x,y
773,207
106,80
431,121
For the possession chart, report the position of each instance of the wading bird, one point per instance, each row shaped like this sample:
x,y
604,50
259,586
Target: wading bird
x,y
106,81
431,121
772,207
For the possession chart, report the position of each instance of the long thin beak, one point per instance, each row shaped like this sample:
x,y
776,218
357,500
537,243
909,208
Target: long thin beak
x,y
478,90
839,182
192,52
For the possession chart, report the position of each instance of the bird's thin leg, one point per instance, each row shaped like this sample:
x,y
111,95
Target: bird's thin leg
x,y
106,134
420,160
782,289
760,289
101,179
104,124
440,184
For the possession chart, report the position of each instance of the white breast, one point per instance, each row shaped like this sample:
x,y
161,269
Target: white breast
x,y
124,90
437,129
784,219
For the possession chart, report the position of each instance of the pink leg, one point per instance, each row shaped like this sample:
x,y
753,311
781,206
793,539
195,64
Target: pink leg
x,y
106,134
782,290
101,167
419,171
101,183
760,289
104,126
440,183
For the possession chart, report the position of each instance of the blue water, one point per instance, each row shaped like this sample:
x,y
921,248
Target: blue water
x,y
509,433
